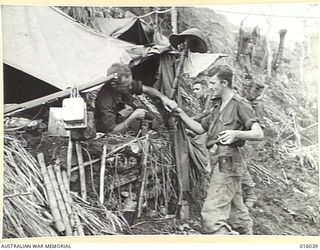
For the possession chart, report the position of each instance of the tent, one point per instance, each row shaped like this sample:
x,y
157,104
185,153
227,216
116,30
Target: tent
x,y
50,47
52,51
42,46
126,29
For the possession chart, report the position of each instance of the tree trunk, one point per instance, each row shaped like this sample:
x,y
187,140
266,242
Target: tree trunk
x,y
269,61
174,20
277,61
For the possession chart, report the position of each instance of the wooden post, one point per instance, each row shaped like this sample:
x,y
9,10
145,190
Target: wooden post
x,y
81,172
181,151
102,170
69,157
175,84
143,176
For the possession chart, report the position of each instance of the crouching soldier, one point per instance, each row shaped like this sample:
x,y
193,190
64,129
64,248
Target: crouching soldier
x,y
231,122
116,110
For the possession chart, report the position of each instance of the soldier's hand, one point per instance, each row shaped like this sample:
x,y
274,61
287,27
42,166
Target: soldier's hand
x,y
169,104
190,133
138,114
177,111
228,136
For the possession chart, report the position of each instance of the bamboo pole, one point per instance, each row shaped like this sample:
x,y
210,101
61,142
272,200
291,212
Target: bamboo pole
x,y
102,171
164,187
77,230
69,157
175,84
143,176
61,205
51,195
79,226
66,182
81,172
64,193
125,145
85,164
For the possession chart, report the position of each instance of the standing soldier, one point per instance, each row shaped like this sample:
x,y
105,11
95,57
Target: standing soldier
x,y
253,91
231,122
200,91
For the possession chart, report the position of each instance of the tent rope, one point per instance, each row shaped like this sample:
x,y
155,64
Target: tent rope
x,y
156,11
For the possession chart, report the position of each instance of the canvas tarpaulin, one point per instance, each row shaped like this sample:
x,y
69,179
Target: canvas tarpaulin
x,y
127,29
47,44
181,152
198,62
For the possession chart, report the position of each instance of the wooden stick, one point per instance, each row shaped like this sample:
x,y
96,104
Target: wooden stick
x,y
143,176
85,164
61,204
124,145
164,184
13,195
69,157
51,195
285,176
64,193
175,84
81,172
17,227
102,171
79,226
66,182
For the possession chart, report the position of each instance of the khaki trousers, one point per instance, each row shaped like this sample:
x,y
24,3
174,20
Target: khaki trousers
x,y
224,207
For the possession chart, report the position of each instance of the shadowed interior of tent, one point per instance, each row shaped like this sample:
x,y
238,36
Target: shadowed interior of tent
x,y
17,84
146,71
21,87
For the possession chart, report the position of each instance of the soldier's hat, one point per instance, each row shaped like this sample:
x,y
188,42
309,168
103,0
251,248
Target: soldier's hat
x,y
196,40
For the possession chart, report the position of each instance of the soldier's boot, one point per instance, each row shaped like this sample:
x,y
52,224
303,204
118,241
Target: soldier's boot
x,y
225,231
246,231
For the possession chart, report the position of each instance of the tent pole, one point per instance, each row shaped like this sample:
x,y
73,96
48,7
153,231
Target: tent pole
x,y
178,134
175,84
53,97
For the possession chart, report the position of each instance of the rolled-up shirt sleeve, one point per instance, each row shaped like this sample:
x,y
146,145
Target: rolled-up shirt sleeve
x,y
247,114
